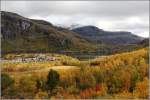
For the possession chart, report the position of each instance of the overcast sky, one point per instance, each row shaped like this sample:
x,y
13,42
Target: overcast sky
x,y
130,16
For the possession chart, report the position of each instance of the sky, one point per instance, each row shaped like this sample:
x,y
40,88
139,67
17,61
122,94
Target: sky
x,y
130,16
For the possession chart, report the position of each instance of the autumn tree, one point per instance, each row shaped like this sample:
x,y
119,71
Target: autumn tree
x,y
142,89
103,90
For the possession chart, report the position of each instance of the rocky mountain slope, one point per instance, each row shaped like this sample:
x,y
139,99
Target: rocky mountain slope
x,y
100,36
23,34
144,42
20,34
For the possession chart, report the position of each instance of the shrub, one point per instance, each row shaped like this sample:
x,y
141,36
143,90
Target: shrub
x,y
6,83
85,80
52,82
41,95
27,86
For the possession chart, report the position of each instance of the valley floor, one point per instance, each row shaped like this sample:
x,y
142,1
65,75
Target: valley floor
x,y
123,75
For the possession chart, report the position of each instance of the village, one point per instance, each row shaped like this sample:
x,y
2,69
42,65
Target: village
x,y
39,58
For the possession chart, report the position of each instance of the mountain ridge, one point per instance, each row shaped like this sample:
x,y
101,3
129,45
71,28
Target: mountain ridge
x,y
20,34
108,37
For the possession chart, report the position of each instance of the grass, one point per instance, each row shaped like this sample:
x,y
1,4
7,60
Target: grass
x,y
29,66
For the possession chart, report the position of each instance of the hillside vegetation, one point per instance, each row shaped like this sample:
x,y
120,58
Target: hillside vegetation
x,y
123,75
20,34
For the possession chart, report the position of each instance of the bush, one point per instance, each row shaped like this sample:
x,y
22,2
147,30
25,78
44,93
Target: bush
x,y
85,80
41,95
27,86
6,83
52,82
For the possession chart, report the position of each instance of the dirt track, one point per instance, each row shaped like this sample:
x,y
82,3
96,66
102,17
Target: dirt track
x,y
57,68
47,69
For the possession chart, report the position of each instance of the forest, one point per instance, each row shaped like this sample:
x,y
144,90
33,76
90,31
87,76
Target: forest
x,y
122,75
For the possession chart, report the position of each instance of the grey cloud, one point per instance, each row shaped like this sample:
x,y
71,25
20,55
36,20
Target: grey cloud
x,y
98,8
85,12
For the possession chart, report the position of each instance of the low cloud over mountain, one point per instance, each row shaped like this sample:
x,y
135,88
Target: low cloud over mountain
x,y
130,16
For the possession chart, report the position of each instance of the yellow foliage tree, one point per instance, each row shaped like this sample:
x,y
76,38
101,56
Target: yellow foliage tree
x,y
124,95
141,89
103,90
41,95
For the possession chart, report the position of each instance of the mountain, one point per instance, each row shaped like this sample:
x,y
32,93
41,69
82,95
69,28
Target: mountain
x,y
20,34
23,34
144,43
97,35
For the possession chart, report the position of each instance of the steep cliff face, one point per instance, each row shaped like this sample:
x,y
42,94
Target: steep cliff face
x,y
23,34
